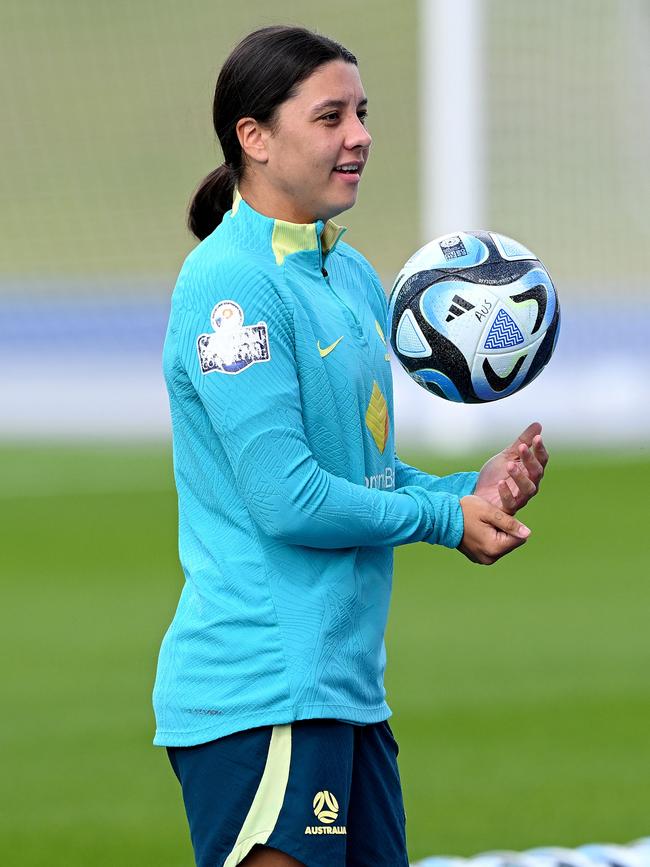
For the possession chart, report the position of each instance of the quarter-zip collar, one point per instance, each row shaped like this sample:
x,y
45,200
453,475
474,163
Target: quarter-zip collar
x,y
285,239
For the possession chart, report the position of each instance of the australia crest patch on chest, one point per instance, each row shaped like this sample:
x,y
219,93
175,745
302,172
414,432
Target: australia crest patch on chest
x,y
232,346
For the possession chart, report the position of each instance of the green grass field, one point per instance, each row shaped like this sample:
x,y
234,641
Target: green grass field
x,y
520,691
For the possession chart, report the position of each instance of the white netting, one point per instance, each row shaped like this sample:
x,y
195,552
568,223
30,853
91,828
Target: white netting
x,y
568,136
107,128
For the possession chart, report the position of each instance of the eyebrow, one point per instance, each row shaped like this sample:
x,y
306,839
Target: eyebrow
x,y
337,103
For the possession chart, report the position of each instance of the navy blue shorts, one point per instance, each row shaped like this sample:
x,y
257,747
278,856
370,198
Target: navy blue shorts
x,y
326,792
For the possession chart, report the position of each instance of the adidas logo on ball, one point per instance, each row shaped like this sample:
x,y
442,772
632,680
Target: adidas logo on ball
x,y
454,308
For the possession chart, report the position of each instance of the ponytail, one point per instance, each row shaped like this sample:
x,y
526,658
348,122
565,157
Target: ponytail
x,y
211,200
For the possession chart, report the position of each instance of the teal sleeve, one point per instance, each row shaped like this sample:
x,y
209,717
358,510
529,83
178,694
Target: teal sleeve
x,y
258,417
460,484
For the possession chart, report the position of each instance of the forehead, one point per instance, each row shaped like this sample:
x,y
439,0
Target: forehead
x,y
336,81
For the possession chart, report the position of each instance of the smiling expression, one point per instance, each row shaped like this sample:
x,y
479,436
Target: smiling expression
x,y
316,150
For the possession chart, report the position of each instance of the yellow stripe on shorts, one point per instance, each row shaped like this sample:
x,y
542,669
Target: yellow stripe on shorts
x,y
267,803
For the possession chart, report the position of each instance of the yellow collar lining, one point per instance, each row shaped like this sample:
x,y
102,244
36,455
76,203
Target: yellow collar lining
x,y
291,238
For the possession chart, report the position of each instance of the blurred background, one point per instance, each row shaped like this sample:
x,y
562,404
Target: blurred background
x,y
520,694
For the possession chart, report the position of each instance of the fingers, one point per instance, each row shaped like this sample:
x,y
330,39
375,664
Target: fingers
x,y
526,437
489,532
525,479
505,533
531,462
540,450
508,500
507,524
517,489
534,460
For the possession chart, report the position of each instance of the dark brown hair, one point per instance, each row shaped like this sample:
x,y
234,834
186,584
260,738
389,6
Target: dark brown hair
x,y
261,73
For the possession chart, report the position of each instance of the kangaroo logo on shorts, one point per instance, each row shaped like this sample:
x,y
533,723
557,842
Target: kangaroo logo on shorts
x,y
233,346
326,810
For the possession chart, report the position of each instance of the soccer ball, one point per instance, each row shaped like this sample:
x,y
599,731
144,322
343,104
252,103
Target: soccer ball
x,y
612,855
474,317
557,856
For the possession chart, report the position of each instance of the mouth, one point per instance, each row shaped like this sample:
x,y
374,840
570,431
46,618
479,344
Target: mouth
x,y
350,171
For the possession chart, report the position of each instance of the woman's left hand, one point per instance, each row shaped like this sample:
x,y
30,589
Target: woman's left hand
x,y
511,478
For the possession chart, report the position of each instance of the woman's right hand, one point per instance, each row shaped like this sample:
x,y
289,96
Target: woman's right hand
x,y
489,532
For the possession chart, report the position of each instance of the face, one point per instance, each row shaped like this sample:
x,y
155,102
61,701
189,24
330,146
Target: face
x,y
318,147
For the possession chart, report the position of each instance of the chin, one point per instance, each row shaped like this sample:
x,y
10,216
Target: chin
x,y
336,208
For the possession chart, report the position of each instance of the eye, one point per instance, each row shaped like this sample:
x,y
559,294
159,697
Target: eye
x,y
332,117
363,115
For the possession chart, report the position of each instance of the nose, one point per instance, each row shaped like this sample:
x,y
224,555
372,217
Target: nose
x,y
357,135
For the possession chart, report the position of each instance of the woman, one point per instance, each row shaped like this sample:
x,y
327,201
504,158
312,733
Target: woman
x,y
269,694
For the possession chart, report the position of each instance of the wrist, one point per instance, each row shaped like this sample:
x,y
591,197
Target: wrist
x,y
448,524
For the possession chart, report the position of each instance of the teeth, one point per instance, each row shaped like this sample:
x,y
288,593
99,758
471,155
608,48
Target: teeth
x,y
350,168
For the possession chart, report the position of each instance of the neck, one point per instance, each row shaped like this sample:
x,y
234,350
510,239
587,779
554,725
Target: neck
x,y
270,202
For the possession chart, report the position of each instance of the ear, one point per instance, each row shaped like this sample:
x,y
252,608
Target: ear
x,y
252,139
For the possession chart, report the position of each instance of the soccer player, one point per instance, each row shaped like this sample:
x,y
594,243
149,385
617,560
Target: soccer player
x,y
269,694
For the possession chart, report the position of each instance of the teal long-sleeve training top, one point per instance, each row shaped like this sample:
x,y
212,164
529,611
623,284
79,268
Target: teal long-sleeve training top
x,y
290,495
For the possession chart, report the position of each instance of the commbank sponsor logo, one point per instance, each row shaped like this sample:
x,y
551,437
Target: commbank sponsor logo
x,y
385,481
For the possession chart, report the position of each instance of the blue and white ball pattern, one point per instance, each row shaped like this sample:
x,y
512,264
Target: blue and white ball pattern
x,y
474,317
